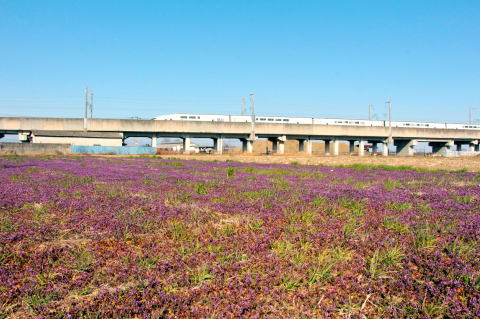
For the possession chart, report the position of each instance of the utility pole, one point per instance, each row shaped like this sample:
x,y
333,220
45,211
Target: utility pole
x,y
389,103
370,108
470,115
91,105
86,109
243,106
252,97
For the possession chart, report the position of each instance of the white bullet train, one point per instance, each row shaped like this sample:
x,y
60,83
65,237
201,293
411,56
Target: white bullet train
x,y
311,120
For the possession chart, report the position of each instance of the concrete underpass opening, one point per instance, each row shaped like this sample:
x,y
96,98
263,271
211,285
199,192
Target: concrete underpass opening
x,y
9,138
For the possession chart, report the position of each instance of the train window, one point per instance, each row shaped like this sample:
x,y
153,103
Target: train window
x,y
357,122
278,120
427,125
270,120
286,120
192,117
262,119
183,117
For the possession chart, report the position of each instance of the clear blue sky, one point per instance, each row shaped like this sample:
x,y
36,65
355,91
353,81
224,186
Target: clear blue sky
x,y
301,58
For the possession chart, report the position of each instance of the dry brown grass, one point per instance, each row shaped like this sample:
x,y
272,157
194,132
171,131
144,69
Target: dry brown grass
x,y
470,163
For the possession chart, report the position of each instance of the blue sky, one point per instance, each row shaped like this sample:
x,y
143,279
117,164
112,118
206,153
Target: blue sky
x,y
301,58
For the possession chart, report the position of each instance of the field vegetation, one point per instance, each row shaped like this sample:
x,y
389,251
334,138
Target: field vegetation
x,y
97,237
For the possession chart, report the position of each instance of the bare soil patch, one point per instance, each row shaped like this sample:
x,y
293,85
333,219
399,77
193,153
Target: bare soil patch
x,y
471,163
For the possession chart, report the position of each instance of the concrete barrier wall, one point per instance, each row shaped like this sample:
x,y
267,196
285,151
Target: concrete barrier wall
x,y
78,140
64,149
117,150
28,148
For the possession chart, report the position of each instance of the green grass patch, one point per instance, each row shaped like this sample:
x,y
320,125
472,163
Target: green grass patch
x,y
392,223
231,171
258,171
258,194
391,184
169,163
467,199
356,207
382,261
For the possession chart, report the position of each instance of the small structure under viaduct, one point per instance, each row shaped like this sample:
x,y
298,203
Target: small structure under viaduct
x,y
113,132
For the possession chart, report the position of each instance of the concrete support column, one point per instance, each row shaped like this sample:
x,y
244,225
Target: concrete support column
x,y
440,148
154,140
327,147
351,147
471,147
309,147
374,148
281,144
334,147
218,145
281,147
247,145
384,149
405,147
23,137
274,145
361,148
301,146
477,147
305,145
186,144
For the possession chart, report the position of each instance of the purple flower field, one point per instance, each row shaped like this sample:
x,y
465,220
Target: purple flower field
x,y
88,237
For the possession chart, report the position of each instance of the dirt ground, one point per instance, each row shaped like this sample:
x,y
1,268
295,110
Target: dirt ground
x,y
471,163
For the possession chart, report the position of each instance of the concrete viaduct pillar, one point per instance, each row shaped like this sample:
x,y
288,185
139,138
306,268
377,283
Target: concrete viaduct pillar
x,y
351,146
473,146
301,146
186,144
24,137
405,147
305,145
333,147
218,145
457,146
274,144
281,144
154,140
361,148
440,148
327,147
247,145
278,144
384,149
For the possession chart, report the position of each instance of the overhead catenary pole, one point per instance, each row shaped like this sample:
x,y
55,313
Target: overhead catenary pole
x,y
91,105
243,106
252,97
86,109
389,103
370,108
470,115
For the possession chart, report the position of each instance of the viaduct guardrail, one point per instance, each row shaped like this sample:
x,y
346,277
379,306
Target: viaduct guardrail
x,y
108,131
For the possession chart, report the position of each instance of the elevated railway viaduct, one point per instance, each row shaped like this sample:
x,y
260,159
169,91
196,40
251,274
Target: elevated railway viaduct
x,y
113,132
